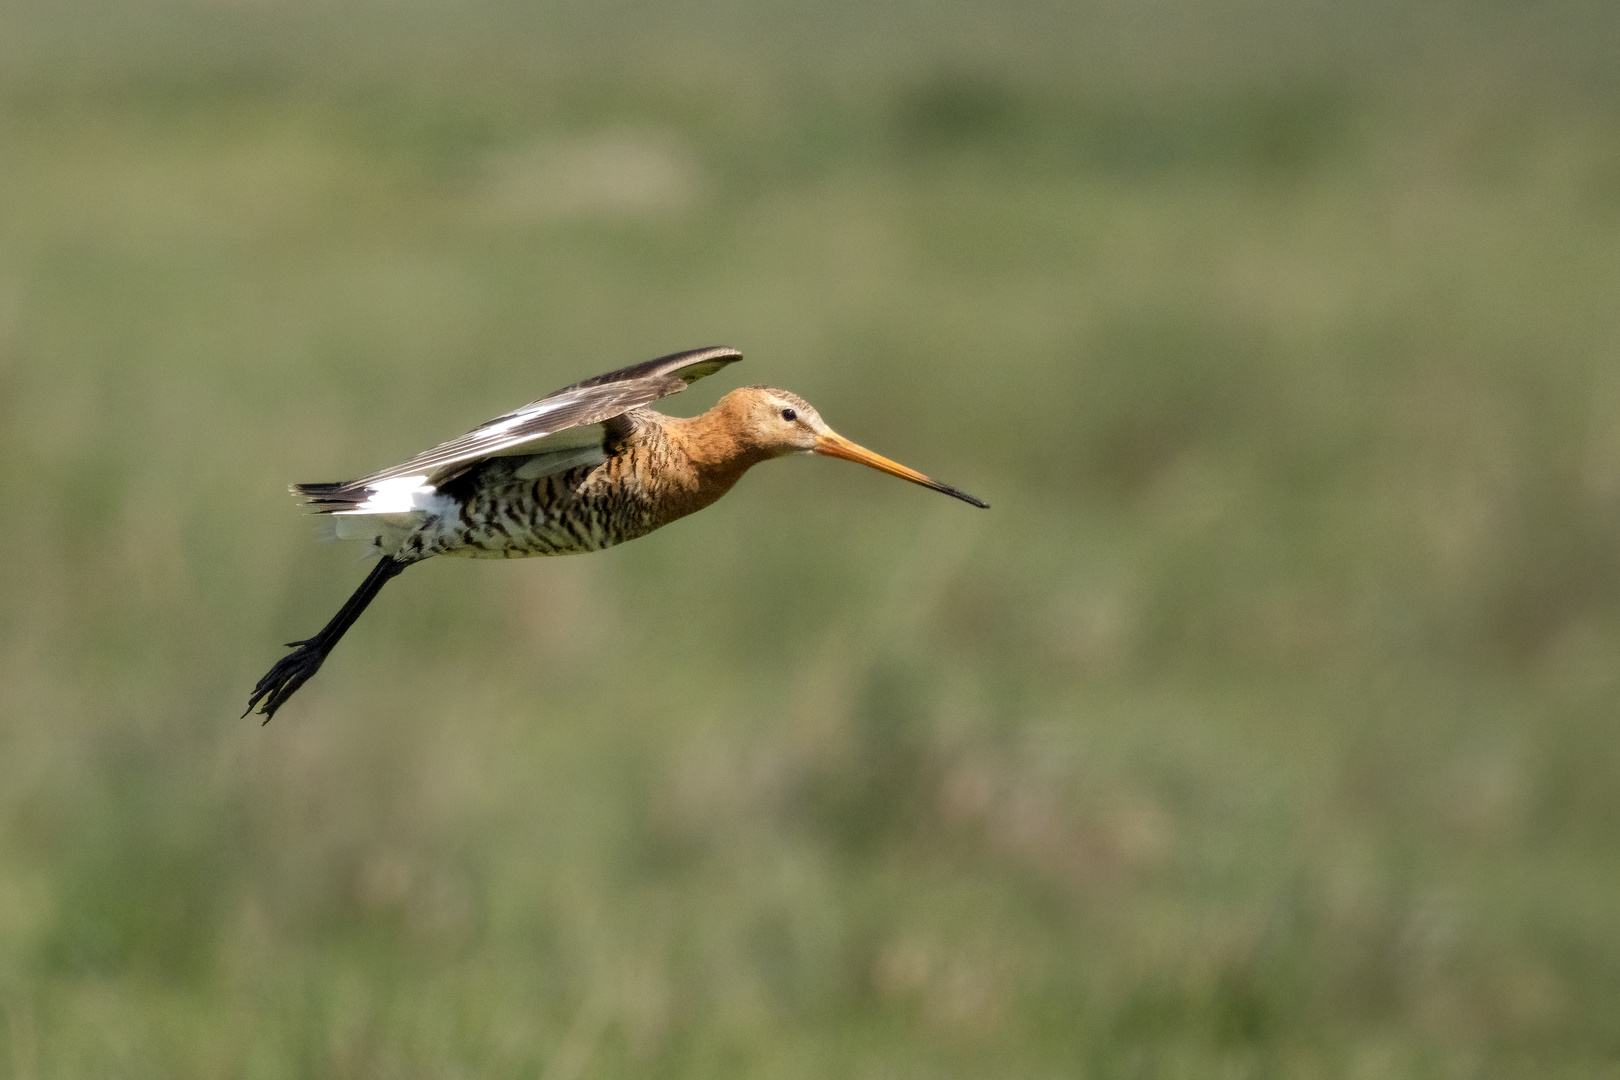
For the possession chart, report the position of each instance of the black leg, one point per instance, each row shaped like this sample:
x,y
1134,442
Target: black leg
x,y
294,669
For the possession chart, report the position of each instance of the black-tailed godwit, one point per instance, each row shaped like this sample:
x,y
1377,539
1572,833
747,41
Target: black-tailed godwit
x,y
578,470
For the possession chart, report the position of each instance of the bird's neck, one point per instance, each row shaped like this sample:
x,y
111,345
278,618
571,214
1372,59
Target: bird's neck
x,y
717,456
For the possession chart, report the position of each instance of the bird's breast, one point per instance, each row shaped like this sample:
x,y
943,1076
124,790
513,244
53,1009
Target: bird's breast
x,y
644,483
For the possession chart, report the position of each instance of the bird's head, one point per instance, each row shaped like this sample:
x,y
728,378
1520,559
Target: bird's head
x,y
776,423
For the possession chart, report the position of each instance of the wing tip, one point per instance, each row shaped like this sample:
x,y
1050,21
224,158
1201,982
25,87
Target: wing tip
x,y
695,364
710,359
688,365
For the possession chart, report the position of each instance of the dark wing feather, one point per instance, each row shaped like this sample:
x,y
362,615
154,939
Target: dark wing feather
x,y
579,405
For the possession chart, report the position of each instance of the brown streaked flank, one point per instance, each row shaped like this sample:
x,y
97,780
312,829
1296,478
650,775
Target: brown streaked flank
x,y
582,469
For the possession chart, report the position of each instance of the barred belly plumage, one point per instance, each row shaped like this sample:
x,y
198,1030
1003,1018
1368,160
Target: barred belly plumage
x,y
569,513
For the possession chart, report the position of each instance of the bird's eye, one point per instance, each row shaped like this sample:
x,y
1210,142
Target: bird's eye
x,y
789,415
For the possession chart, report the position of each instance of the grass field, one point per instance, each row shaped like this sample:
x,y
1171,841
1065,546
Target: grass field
x,y
1267,726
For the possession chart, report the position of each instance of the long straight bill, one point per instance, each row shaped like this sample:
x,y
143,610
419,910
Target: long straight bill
x,y
834,445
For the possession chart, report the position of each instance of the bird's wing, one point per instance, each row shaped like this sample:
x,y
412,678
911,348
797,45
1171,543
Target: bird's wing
x,y
552,421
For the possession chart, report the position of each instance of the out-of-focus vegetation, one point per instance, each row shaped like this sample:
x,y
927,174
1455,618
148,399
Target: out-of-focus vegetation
x,y
1269,725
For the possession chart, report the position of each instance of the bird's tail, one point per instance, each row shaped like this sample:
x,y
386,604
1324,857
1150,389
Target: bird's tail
x,y
330,498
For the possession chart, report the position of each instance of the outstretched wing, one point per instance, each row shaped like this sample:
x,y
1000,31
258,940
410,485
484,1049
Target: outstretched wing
x,y
538,426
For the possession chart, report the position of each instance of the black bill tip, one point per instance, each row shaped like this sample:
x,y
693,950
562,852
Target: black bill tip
x,y
964,496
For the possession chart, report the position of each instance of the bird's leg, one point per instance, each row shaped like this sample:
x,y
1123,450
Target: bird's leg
x,y
294,669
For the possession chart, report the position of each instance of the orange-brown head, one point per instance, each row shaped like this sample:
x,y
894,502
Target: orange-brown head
x,y
766,422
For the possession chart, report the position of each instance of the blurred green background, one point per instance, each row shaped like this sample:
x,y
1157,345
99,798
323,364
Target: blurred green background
x,y
1266,727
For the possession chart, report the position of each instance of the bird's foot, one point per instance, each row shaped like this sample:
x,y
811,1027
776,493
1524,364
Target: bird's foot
x,y
288,674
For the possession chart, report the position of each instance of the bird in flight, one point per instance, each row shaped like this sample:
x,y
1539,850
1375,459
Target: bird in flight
x,y
579,470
